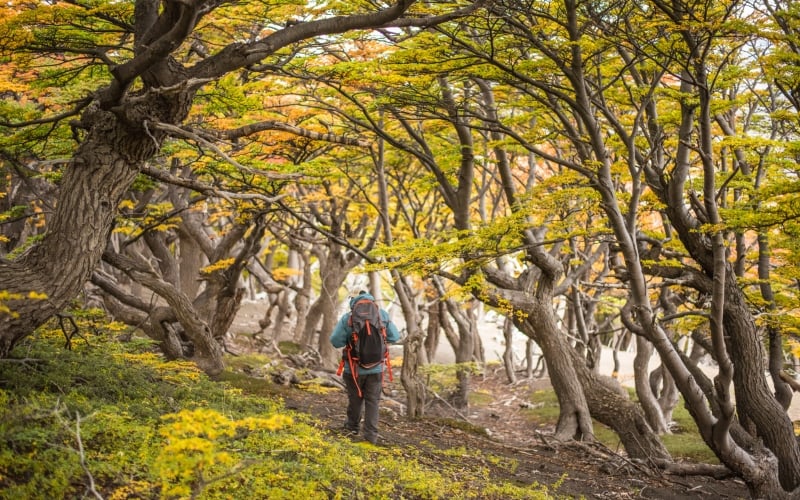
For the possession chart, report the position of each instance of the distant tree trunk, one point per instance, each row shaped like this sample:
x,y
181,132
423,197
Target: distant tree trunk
x,y
321,317
648,400
508,352
582,313
327,310
229,292
783,393
434,328
663,386
413,350
529,366
191,260
283,315
375,288
302,302
464,348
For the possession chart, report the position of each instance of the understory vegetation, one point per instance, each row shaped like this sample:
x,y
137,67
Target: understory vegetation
x,y
683,442
98,417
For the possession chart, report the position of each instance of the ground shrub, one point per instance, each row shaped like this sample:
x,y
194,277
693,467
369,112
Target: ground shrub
x,y
116,419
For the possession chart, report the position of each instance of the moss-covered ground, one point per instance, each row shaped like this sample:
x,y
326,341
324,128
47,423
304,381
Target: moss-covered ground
x,y
98,418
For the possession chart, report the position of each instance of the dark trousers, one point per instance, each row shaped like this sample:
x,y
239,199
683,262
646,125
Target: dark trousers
x,y
371,386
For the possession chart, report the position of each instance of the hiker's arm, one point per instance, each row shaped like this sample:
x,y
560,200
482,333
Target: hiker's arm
x,y
339,335
392,334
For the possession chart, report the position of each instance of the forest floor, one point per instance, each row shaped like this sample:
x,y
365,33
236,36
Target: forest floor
x,y
499,427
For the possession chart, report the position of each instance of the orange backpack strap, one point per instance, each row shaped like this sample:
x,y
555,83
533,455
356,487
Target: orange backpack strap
x,y
387,360
354,374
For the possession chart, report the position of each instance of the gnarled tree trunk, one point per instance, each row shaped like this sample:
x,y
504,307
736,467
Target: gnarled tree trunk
x,y
91,188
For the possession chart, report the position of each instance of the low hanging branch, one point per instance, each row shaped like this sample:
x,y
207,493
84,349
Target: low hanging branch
x,y
201,187
254,128
187,134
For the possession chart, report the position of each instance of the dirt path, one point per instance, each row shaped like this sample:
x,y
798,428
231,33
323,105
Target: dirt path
x,y
500,429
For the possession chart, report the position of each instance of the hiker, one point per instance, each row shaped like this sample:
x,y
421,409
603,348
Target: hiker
x,y
365,387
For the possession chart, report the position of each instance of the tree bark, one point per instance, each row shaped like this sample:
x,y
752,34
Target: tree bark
x,y
100,173
508,352
434,329
608,402
574,420
413,350
648,400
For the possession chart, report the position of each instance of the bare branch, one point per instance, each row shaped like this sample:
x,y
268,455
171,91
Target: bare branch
x,y
239,55
52,119
254,128
670,317
186,134
204,188
82,454
788,379
91,487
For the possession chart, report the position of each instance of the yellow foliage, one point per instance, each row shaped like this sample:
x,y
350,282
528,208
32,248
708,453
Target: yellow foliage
x,y
218,265
133,489
6,296
794,347
193,446
127,204
315,387
37,295
176,371
284,273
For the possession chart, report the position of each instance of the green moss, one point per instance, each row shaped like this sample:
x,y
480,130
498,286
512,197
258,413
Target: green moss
x,y
543,407
288,347
685,441
149,428
463,425
480,398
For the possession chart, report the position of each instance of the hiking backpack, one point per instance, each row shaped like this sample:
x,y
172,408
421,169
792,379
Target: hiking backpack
x,y
368,339
367,346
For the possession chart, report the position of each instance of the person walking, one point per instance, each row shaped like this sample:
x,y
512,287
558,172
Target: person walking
x,y
363,382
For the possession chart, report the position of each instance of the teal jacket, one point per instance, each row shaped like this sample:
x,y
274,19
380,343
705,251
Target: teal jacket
x,y
341,333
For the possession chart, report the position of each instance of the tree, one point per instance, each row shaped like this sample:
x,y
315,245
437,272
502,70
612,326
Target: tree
x,y
527,297
122,122
632,93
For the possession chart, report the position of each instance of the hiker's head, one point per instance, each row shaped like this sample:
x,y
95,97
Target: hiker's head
x,y
360,295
